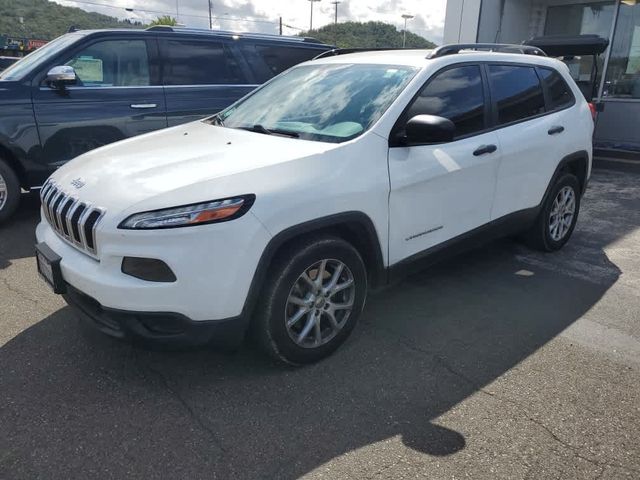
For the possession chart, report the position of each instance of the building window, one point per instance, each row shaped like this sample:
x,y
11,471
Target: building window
x,y
623,72
581,19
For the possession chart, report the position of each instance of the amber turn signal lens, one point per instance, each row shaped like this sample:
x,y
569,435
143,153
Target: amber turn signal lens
x,y
216,214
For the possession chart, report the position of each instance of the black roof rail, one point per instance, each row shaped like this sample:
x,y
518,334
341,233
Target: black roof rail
x,y
491,47
345,51
160,28
266,36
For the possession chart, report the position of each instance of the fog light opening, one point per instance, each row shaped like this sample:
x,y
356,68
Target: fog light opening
x,y
149,269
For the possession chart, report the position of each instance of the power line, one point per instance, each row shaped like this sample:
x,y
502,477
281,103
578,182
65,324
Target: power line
x,y
163,12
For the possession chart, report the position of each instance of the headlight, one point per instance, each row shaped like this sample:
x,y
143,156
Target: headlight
x,y
189,215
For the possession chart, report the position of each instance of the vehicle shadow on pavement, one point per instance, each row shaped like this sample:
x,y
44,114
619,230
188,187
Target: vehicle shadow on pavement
x,y
76,404
17,235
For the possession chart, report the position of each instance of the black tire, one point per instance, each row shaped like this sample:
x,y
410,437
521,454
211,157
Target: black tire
x,y
9,204
270,319
540,236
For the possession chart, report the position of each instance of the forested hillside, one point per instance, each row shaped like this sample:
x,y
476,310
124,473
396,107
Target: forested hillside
x,y
369,34
46,20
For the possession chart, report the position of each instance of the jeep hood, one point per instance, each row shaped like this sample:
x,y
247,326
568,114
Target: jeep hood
x,y
196,161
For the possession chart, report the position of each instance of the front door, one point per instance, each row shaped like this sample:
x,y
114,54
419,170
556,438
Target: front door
x,y
118,95
441,191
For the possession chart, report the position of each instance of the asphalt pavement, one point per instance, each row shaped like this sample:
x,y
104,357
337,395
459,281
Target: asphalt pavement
x,y
500,364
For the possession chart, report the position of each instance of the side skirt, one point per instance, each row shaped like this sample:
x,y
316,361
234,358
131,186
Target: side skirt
x,y
511,224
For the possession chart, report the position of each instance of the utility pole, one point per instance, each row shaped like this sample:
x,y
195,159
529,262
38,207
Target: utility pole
x,y
336,3
210,18
404,33
311,19
280,25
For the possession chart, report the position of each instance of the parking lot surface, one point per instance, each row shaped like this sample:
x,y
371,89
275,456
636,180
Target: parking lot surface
x,y
502,363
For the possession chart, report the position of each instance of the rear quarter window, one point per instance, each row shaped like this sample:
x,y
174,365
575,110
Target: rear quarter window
x,y
559,92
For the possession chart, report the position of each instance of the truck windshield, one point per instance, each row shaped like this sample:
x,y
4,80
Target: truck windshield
x,y
324,102
25,65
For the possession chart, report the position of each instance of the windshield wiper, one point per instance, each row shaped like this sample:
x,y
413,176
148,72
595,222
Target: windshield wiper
x,y
216,120
271,131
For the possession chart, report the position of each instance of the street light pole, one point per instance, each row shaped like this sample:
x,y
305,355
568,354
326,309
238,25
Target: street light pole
x,y
404,33
210,18
311,19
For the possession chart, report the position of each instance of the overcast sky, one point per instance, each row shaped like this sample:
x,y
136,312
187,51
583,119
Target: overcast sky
x,y
262,15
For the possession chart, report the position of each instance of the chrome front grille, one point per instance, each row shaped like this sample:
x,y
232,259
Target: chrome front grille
x,y
74,220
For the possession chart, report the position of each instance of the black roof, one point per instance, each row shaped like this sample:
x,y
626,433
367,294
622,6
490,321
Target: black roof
x,y
166,29
564,45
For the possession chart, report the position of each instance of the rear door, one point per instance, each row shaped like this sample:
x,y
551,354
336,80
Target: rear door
x,y
118,95
532,133
201,76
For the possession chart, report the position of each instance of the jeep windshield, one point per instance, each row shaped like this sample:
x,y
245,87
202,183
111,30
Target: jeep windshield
x,y
26,64
324,102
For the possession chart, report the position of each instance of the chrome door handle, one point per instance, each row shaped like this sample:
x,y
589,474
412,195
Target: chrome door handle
x,y
143,105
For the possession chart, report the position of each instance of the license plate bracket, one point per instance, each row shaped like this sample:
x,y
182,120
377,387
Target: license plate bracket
x,y
49,269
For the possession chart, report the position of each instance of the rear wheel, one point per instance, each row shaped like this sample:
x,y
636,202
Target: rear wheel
x,y
9,191
558,216
311,301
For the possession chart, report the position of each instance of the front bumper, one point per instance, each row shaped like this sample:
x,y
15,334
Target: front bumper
x,y
156,329
214,266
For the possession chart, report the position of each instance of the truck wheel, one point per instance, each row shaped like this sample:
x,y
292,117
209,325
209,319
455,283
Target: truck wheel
x,y
558,216
311,300
9,191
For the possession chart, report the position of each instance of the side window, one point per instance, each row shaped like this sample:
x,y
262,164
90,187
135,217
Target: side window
x,y
192,62
112,63
516,91
456,94
279,59
560,94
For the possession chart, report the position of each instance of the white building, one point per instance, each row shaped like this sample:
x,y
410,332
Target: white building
x,y
514,21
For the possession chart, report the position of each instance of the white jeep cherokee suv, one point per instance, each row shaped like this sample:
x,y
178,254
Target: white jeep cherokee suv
x,y
277,214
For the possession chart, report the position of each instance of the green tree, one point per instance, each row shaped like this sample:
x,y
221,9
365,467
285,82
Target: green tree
x,y
164,20
366,35
44,20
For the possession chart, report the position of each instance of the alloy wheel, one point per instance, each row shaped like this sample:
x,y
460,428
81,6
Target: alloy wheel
x,y
320,303
3,192
562,213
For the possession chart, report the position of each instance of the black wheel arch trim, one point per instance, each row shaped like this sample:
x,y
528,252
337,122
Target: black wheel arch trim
x,y
581,155
375,268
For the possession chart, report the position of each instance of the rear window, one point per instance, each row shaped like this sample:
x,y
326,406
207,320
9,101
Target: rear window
x,y
267,61
193,62
560,95
517,92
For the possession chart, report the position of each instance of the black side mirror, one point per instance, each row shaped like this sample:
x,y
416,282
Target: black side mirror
x,y
429,129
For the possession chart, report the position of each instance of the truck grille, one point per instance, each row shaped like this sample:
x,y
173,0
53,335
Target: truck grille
x,y
75,221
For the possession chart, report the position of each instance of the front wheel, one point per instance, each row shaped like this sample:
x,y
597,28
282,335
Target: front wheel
x,y
9,191
558,216
311,302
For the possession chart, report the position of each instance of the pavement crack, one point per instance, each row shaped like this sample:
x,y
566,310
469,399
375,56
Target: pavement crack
x,y
197,419
519,407
19,292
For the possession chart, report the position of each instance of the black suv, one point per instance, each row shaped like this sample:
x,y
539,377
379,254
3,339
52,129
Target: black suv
x,y
89,88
